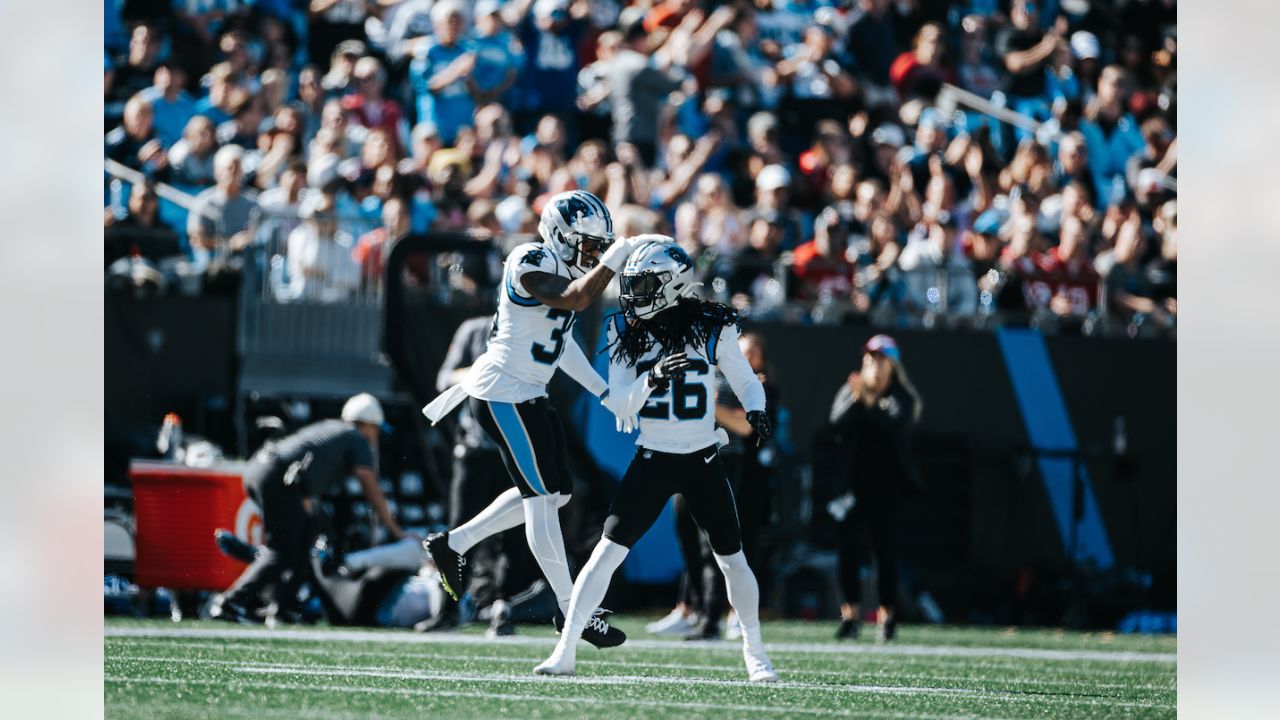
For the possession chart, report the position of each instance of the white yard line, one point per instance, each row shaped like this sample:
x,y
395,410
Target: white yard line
x,y
266,668
772,709
344,635
731,668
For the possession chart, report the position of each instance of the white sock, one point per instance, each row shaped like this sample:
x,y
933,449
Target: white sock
x,y
504,513
588,591
744,593
405,554
546,541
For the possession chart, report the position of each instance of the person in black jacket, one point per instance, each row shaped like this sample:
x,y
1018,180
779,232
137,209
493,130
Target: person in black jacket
x,y
872,414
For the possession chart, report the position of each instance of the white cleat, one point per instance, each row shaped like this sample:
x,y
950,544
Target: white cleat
x,y
556,665
759,669
675,623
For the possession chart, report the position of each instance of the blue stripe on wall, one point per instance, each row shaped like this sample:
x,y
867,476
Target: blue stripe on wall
x,y
1035,385
656,556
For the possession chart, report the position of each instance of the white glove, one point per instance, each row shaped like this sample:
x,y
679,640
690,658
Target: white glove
x,y
616,256
625,422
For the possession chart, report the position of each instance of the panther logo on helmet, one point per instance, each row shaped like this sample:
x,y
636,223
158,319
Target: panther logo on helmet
x,y
578,228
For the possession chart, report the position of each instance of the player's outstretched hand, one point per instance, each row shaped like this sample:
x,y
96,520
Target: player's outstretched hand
x,y
667,368
760,423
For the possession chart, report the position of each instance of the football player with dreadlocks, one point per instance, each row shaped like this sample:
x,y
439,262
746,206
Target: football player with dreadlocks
x,y
544,285
664,349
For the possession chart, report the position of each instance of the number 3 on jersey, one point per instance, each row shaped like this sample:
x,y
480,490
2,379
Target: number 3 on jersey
x,y
689,398
548,355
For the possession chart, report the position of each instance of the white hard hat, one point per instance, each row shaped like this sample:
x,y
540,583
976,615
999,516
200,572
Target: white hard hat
x,y
363,408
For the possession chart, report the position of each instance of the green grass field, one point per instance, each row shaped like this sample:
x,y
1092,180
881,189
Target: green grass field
x,y
157,669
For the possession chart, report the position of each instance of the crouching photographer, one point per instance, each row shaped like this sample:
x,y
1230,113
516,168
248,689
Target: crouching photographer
x,y
285,478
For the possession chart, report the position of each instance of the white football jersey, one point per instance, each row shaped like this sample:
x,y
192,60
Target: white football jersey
x,y
529,338
682,418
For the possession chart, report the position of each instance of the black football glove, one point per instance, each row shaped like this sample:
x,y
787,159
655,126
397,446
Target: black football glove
x,y
667,368
760,423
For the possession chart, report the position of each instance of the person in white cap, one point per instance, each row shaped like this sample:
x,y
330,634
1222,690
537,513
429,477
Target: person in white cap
x,y
773,203
284,478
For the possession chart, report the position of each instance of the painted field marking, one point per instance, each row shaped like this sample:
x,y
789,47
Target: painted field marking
x,y
784,710
810,648
732,668
266,668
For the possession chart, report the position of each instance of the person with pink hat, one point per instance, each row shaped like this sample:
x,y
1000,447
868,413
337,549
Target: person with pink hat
x,y
872,415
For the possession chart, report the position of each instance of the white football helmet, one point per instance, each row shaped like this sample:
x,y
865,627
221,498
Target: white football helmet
x,y
573,222
655,277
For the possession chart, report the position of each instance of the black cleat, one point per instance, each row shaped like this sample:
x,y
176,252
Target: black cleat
x,y
708,628
452,566
233,547
220,608
848,630
597,632
887,630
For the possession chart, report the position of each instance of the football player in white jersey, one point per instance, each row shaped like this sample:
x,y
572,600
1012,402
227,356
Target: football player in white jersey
x,y
544,284
665,349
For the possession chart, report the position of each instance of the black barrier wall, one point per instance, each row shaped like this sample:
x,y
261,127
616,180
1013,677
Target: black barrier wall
x,y
985,522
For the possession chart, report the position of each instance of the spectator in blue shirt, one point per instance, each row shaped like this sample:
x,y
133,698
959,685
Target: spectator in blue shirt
x,y
499,55
551,39
215,105
171,106
1111,134
441,71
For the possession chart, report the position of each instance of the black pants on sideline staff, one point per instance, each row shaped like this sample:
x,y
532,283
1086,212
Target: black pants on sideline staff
x,y
287,535
870,525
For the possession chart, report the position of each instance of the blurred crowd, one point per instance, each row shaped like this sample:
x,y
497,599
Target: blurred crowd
x,y
833,155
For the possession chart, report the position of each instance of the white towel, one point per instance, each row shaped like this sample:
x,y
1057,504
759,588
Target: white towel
x,y
444,404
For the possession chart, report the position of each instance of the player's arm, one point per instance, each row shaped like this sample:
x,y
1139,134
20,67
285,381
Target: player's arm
x,y
373,493
577,295
576,365
746,385
734,420
628,390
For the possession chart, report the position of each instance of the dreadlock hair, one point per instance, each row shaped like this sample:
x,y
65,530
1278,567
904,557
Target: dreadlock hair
x,y
691,322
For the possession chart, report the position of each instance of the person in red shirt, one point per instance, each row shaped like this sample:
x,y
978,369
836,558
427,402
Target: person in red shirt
x,y
372,247
1064,279
919,71
830,148
367,107
820,265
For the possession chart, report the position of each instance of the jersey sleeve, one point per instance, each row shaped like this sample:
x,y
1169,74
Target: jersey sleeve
x,y
725,353
576,365
526,259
